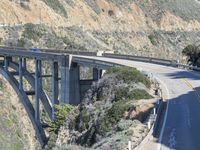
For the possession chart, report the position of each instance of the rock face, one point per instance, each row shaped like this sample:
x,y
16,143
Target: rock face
x,y
110,115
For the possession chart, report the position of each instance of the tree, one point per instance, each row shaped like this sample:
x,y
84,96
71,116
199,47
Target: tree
x,y
193,54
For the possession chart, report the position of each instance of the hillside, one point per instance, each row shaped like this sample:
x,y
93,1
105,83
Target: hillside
x,y
156,28
105,15
152,28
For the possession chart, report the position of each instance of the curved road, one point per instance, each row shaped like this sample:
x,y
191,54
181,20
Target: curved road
x,y
181,125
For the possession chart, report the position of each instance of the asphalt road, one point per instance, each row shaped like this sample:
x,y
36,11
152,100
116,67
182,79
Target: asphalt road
x,y
181,89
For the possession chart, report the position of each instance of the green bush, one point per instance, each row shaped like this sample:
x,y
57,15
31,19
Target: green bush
x,y
32,32
136,94
193,54
24,5
129,74
113,116
94,6
60,115
56,6
153,39
1,39
21,42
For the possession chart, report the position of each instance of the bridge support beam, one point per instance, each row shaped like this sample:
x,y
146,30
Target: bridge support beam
x,y
6,62
24,63
38,88
55,87
97,74
70,86
20,74
74,84
64,82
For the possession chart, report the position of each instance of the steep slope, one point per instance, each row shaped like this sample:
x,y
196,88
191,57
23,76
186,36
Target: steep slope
x,y
151,28
106,15
16,131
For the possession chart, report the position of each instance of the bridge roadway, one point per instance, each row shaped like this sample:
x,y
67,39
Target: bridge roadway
x,y
181,88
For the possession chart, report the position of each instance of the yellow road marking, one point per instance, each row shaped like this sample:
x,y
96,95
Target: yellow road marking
x,y
191,86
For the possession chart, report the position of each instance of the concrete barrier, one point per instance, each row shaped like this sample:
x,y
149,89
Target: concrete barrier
x,y
141,58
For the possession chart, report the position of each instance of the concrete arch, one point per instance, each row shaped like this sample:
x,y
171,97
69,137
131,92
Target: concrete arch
x,y
40,134
29,77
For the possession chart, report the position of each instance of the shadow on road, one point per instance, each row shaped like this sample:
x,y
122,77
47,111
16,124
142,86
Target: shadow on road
x,y
182,127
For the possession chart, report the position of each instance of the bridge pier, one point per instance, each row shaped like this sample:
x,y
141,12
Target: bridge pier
x,y
6,62
24,63
74,84
97,74
65,82
20,74
38,88
55,87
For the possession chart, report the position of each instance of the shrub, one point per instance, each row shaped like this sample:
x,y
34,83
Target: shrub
x,y
60,115
94,6
21,42
193,54
56,6
153,39
1,39
111,13
113,116
129,74
24,4
136,94
32,32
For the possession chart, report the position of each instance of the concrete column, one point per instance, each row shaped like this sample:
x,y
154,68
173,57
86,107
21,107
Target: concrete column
x,y
97,73
7,59
74,84
20,74
6,62
24,63
37,89
54,87
64,82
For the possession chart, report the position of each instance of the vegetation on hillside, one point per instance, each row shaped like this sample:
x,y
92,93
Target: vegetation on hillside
x,y
104,107
129,74
193,54
62,112
56,6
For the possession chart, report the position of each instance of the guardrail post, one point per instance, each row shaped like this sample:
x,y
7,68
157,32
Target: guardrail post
x,y
54,87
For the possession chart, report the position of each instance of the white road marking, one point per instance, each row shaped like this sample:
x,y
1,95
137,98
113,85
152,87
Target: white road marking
x,y
165,117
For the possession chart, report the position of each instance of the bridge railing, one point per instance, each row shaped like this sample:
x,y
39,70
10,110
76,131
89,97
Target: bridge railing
x,y
166,62
140,58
